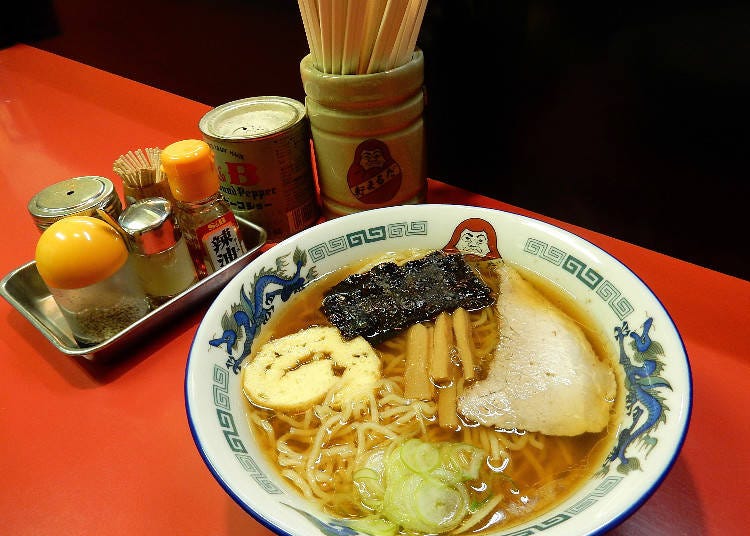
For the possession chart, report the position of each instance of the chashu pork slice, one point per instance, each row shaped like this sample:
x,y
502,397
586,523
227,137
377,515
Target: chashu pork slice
x,y
545,376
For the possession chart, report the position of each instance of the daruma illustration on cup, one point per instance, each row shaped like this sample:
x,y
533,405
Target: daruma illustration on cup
x,y
374,176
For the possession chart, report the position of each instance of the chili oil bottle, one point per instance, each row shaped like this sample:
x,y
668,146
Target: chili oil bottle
x,y
204,216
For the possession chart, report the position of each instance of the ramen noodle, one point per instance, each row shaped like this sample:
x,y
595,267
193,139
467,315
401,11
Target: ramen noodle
x,y
323,450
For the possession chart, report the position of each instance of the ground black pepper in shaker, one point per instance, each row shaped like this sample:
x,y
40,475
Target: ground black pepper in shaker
x,y
85,264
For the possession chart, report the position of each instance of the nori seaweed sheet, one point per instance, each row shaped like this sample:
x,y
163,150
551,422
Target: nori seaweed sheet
x,y
389,298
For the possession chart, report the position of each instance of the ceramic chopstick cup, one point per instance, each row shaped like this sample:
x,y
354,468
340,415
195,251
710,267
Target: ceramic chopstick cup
x,y
368,136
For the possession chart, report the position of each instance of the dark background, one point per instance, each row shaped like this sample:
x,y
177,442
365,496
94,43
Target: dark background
x,y
626,119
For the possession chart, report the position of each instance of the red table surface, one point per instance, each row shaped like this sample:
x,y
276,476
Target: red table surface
x,y
106,449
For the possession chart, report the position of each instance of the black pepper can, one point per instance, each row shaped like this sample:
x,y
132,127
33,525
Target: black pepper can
x,y
262,152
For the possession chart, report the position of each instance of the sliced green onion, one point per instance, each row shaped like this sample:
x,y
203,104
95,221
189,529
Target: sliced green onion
x,y
439,506
420,486
420,456
398,503
464,459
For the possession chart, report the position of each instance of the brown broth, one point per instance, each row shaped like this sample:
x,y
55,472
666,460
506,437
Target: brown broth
x,y
539,478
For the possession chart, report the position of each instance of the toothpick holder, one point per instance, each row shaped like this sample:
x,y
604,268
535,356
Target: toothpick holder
x,y
132,194
368,136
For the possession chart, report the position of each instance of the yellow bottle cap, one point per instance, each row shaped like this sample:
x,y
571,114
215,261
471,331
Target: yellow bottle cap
x,y
190,169
78,251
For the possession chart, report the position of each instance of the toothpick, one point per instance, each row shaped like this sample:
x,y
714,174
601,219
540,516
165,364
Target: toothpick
x,y
137,169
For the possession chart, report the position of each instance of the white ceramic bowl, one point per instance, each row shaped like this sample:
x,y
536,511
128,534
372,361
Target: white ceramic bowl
x,y
657,418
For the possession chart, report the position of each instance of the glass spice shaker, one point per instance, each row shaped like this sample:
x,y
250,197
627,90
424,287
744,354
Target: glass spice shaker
x,y
85,264
158,249
206,219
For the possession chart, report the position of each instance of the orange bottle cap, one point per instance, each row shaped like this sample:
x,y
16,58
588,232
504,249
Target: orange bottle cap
x,y
190,169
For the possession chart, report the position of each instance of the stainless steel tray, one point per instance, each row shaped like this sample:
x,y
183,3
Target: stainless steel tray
x,y
25,290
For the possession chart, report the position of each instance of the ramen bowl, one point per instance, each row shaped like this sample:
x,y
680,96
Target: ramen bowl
x,y
648,421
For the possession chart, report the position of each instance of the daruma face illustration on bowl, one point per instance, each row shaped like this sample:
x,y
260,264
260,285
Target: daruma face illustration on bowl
x,y
438,369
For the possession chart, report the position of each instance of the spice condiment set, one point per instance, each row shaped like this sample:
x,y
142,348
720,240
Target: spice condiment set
x,y
107,263
107,266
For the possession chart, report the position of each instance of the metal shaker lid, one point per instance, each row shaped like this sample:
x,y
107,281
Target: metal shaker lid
x,y
75,196
150,225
